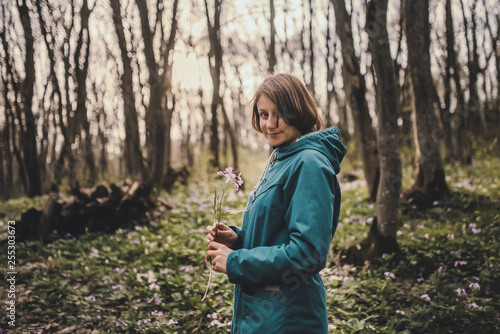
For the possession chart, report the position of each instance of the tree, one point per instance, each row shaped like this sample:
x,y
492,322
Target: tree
x,y
215,64
272,43
26,119
355,90
133,154
157,123
430,173
389,187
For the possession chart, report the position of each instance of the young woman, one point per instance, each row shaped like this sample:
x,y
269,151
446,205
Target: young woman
x,y
275,258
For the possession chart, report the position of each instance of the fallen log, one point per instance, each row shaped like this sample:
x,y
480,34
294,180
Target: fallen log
x,y
104,208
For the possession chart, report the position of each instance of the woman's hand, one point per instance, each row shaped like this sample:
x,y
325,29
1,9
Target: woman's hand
x,y
219,253
225,235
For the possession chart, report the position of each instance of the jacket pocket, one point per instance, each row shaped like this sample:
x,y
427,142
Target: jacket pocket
x,y
262,315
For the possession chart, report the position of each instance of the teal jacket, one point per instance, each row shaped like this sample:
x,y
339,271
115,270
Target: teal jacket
x,y
283,244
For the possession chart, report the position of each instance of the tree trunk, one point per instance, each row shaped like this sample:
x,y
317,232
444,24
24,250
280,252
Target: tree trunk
x,y
29,143
157,126
311,85
272,44
430,173
133,154
215,64
389,187
168,96
81,71
355,90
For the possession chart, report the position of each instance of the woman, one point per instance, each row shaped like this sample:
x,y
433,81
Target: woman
x,y
274,260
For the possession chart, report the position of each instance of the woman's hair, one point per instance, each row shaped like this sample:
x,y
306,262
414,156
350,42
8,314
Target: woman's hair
x,y
293,101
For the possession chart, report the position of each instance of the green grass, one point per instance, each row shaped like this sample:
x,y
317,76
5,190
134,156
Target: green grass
x,y
152,279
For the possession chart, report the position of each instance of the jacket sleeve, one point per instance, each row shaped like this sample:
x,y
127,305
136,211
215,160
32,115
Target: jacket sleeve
x,y
239,242
309,197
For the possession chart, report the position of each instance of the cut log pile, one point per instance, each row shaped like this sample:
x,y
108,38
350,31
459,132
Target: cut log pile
x,y
103,208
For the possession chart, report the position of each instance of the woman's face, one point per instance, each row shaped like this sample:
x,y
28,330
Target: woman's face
x,y
276,131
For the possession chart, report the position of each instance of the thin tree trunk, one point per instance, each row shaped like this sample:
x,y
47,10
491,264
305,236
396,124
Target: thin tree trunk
x,y
168,96
81,71
355,89
389,188
29,145
133,154
311,85
215,64
430,173
272,44
158,126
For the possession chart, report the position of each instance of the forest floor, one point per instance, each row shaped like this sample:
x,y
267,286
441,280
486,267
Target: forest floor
x,y
151,279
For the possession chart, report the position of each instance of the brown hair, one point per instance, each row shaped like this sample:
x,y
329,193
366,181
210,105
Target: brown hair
x,y
293,101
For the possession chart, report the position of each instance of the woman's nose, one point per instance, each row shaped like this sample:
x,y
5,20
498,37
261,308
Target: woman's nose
x,y
272,121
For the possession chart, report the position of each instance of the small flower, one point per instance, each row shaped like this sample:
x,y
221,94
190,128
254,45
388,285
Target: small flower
x,y
117,286
425,297
172,322
384,255
461,263
153,286
54,232
453,252
461,292
473,305
68,235
420,279
440,268
370,327
476,230
435,203
390,275
475,286
400,312
91,298
186,269
146,321
65,275
420,226
156,312
135,307
476,278
164,271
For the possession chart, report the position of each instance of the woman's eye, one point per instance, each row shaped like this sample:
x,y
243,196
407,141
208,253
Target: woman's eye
x,y
264,115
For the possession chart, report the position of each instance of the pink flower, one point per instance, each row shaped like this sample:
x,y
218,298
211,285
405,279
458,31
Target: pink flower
x,y
461,292
420,279
475,286
118,286
172,322
158,313
425,297
400,312
390,275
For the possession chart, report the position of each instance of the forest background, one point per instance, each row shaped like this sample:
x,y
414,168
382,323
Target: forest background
x,y
158,92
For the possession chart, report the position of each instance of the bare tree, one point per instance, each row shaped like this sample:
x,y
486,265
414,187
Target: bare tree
x,y
430,173
133,154
355,90
272,43
26,119
215,64
389,188
158,124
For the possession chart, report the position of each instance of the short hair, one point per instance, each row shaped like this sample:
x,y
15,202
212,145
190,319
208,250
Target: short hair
x,y
293,101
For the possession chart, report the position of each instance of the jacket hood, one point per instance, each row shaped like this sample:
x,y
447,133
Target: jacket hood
x,y
326,141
